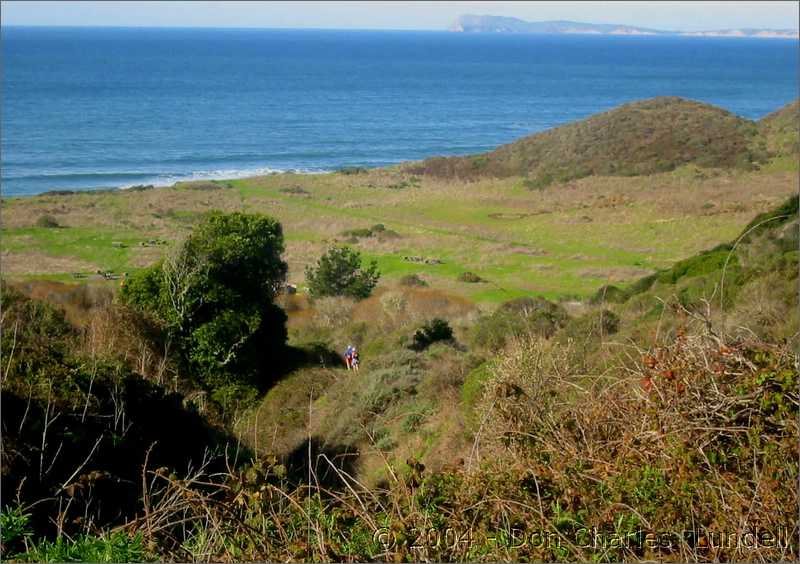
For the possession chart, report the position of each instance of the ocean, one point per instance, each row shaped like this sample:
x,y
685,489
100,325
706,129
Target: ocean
x,y
89,108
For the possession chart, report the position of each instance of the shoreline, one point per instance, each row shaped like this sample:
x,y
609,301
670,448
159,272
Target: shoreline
x,y
145,185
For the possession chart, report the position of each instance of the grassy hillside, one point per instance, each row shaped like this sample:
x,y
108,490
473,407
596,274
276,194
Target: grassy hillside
x,y
622,364
405,406
672,410
639,138
780,131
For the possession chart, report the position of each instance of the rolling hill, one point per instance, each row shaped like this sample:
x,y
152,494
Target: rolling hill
x,y
781,130
639,138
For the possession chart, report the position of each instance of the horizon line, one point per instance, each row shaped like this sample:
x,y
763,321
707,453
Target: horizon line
x,y
157,26
686,33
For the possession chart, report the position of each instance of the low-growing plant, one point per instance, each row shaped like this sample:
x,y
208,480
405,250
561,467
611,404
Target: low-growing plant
x,y
470,278
413,421
352,170
114,547
47,222
412,280
14,528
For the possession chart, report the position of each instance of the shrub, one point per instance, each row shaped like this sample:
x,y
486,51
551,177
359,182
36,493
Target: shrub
x,y
517,318
470,278
350,170
298,190
378,230
339,273
592,326
384,440
608,294
47,221
202,185
413,422
215,296
434,331
413,280
14,526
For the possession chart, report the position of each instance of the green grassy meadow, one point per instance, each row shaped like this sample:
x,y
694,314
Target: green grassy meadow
x,y
564,241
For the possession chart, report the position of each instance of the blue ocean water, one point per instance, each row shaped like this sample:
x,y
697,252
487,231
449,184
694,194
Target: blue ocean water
x,y
110,107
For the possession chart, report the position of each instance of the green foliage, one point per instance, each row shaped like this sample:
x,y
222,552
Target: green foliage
x,y
378,230
435,330
470,278
780,132
352,170
34,337
516,318
47,221
765,246
608,294
145,290
591,327
234,397
114,547
472,389
413,421
771,220
215,296
383,440
98,417
14,526
703,263
339,272
413,280
362,232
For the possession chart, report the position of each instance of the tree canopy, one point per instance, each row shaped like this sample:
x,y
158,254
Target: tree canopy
x,y
339,273
215,295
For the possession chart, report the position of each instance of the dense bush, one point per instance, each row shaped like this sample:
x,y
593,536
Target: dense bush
x,y
470,278
412,280
17,535
378,230
434,331
339,273
47,221
519,317
215,295
591,328
608,294
77,427
349,170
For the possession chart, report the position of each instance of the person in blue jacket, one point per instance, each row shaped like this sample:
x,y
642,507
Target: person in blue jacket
x,y
348,356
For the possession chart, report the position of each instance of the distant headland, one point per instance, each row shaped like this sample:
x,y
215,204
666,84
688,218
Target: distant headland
x,y
502,24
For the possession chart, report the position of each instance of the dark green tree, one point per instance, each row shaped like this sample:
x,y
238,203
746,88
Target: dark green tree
x,y
215,295
435,330
339,273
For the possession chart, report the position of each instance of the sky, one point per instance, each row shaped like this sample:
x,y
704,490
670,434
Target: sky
x,y
680,16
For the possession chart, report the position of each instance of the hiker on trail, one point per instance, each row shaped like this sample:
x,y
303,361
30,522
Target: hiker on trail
x,y
354,359
348,356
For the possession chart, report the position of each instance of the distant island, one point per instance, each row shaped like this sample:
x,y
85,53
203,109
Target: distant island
x,y
502,24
